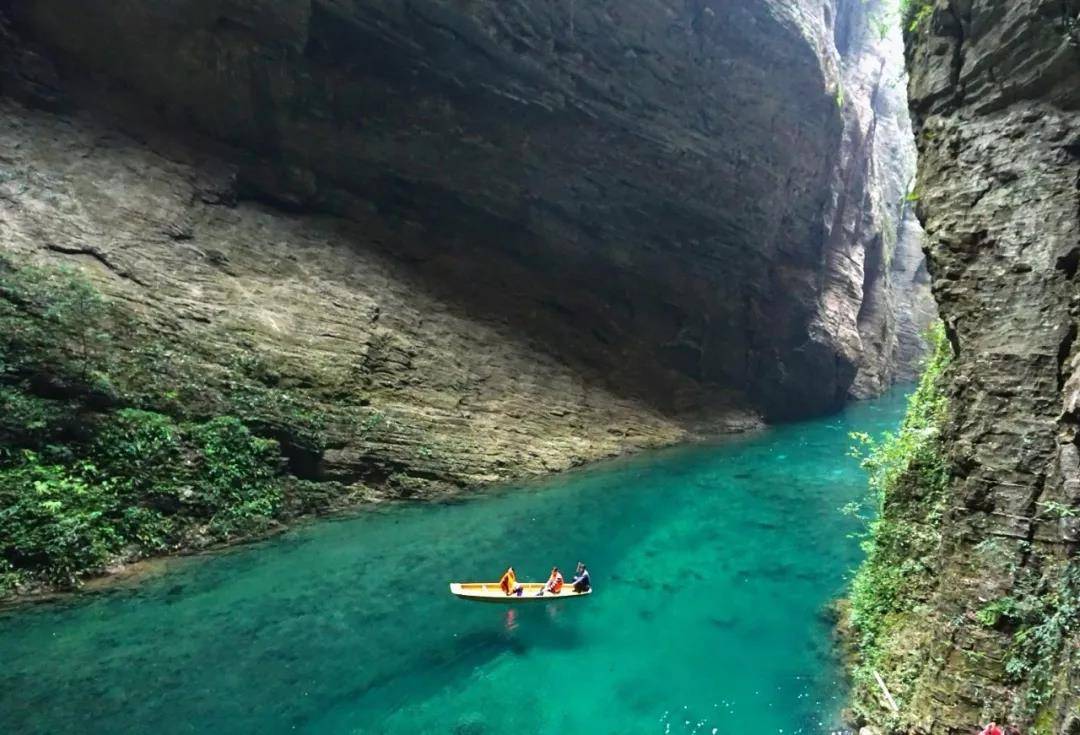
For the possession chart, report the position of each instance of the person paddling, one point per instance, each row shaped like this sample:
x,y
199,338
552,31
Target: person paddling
x,y
581,582
509,584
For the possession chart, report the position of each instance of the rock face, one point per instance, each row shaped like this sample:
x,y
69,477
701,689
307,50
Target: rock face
x,y
412,390
995,94
875,262
536,233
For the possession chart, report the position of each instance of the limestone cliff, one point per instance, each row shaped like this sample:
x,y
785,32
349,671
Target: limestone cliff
x,y
875,263
480,238
995,95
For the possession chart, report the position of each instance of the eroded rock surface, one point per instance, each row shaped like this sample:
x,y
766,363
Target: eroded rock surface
x,y
874,256
414,390
668,192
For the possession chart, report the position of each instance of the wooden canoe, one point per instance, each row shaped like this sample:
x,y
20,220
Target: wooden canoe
x,y
490,592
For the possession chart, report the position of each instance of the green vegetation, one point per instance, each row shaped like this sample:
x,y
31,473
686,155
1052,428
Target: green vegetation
x,y
908,478
98,463
134,489
1043,618
911,14
914,12
881,25
992,613
1054,509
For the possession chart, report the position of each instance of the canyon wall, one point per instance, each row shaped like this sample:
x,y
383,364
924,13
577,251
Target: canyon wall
x,y
873,232
995,96
480,238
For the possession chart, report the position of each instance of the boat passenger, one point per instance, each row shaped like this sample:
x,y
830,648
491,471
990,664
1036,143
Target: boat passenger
x,y
554,584
581,581
509,584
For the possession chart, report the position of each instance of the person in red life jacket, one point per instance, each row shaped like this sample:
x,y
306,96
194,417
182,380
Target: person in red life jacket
x,y
554,584
509,584
992,729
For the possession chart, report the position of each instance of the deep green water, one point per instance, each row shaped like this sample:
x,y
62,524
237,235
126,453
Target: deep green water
x,y
712,567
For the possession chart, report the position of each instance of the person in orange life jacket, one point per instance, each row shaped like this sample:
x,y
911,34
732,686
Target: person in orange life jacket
x,y
581,581
509,584
554,584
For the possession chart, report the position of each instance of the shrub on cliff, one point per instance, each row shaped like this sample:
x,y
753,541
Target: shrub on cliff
x,y
52,320
908,477
85,476
914,12
137,488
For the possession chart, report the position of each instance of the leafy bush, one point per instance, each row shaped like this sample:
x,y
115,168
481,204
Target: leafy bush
x,y
85,476
143,447
51,317
146,480
1045,620
236,476
54,520
908,478
909,13
993,612
29,418
10,578
914,12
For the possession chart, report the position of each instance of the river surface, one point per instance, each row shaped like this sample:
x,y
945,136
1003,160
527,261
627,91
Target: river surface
x,y
712,567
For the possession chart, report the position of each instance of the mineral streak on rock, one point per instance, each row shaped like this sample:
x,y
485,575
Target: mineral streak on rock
x,y
530,234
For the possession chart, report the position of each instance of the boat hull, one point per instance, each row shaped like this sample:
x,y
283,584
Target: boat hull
x,y
490,592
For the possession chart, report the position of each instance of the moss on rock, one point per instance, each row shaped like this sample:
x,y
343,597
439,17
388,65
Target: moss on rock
x,y
101,459
908,478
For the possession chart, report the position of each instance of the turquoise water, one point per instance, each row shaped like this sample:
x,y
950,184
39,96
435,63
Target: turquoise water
x,y
712,566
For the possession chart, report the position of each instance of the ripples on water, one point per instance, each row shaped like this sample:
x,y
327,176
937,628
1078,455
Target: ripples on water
x,y
712,566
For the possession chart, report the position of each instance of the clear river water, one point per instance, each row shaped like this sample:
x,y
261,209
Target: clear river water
x,y
712,565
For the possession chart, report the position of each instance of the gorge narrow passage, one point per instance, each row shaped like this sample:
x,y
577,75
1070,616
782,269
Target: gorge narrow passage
x,y
713,564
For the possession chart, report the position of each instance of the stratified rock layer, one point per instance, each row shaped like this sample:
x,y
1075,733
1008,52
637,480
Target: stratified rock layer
x,y
479,239
874,255
995,93
413,391
667,195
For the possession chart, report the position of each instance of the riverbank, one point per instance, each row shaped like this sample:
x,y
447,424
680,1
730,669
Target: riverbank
x,y
120,571
721,556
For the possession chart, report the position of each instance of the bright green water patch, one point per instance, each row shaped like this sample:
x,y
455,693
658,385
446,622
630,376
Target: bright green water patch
x,y
712,567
